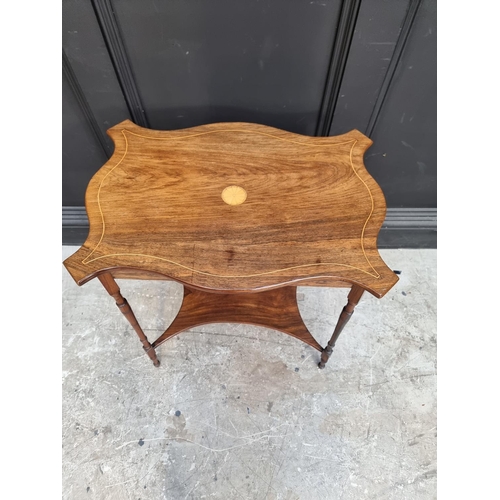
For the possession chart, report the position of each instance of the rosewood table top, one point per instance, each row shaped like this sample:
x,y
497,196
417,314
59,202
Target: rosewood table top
x,y
235,208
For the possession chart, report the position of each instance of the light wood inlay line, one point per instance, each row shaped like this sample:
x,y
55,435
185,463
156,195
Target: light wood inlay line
x,y
233,276
371,211
87,259
232,131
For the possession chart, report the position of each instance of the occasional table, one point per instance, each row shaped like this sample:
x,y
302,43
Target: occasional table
x,y
240,214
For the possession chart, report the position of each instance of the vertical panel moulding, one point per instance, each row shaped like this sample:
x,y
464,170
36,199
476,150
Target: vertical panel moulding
x,y
117,51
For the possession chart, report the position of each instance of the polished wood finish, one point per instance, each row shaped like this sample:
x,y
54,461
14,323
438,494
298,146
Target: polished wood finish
x,y
138,274
276,309
352,301
312,211
113,289
229,210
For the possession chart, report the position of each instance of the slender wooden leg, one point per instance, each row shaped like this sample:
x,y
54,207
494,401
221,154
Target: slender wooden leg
x,y
113,289
352,301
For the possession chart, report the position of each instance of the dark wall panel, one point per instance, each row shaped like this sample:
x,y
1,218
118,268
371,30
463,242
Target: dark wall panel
x,y
90,62
403,157
307,66
82,153
229,60
377,29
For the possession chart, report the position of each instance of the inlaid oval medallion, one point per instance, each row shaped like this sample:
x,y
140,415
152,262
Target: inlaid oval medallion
x,y
234,195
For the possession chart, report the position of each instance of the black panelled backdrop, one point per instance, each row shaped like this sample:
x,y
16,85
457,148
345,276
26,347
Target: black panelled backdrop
x,y
320,67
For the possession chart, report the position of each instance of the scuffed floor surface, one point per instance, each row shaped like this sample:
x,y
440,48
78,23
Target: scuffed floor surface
x,y
240,412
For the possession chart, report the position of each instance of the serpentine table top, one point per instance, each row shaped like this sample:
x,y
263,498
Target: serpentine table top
x,y
234,208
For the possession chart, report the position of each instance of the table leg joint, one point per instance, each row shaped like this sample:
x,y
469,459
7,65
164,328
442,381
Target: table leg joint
x,y
113,289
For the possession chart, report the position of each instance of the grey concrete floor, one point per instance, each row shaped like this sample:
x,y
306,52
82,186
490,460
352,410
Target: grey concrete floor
x,y
237,411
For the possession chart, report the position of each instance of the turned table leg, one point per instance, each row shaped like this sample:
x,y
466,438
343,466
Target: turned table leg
x,y
113,289
352,301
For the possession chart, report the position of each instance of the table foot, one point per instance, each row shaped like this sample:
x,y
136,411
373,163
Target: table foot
x,y
352,301
325,356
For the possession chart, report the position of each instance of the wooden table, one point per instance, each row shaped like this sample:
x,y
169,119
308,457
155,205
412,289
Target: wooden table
x,y
240,214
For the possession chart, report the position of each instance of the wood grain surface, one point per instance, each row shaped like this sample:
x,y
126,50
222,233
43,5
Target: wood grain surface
x,y
276,309
311,214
